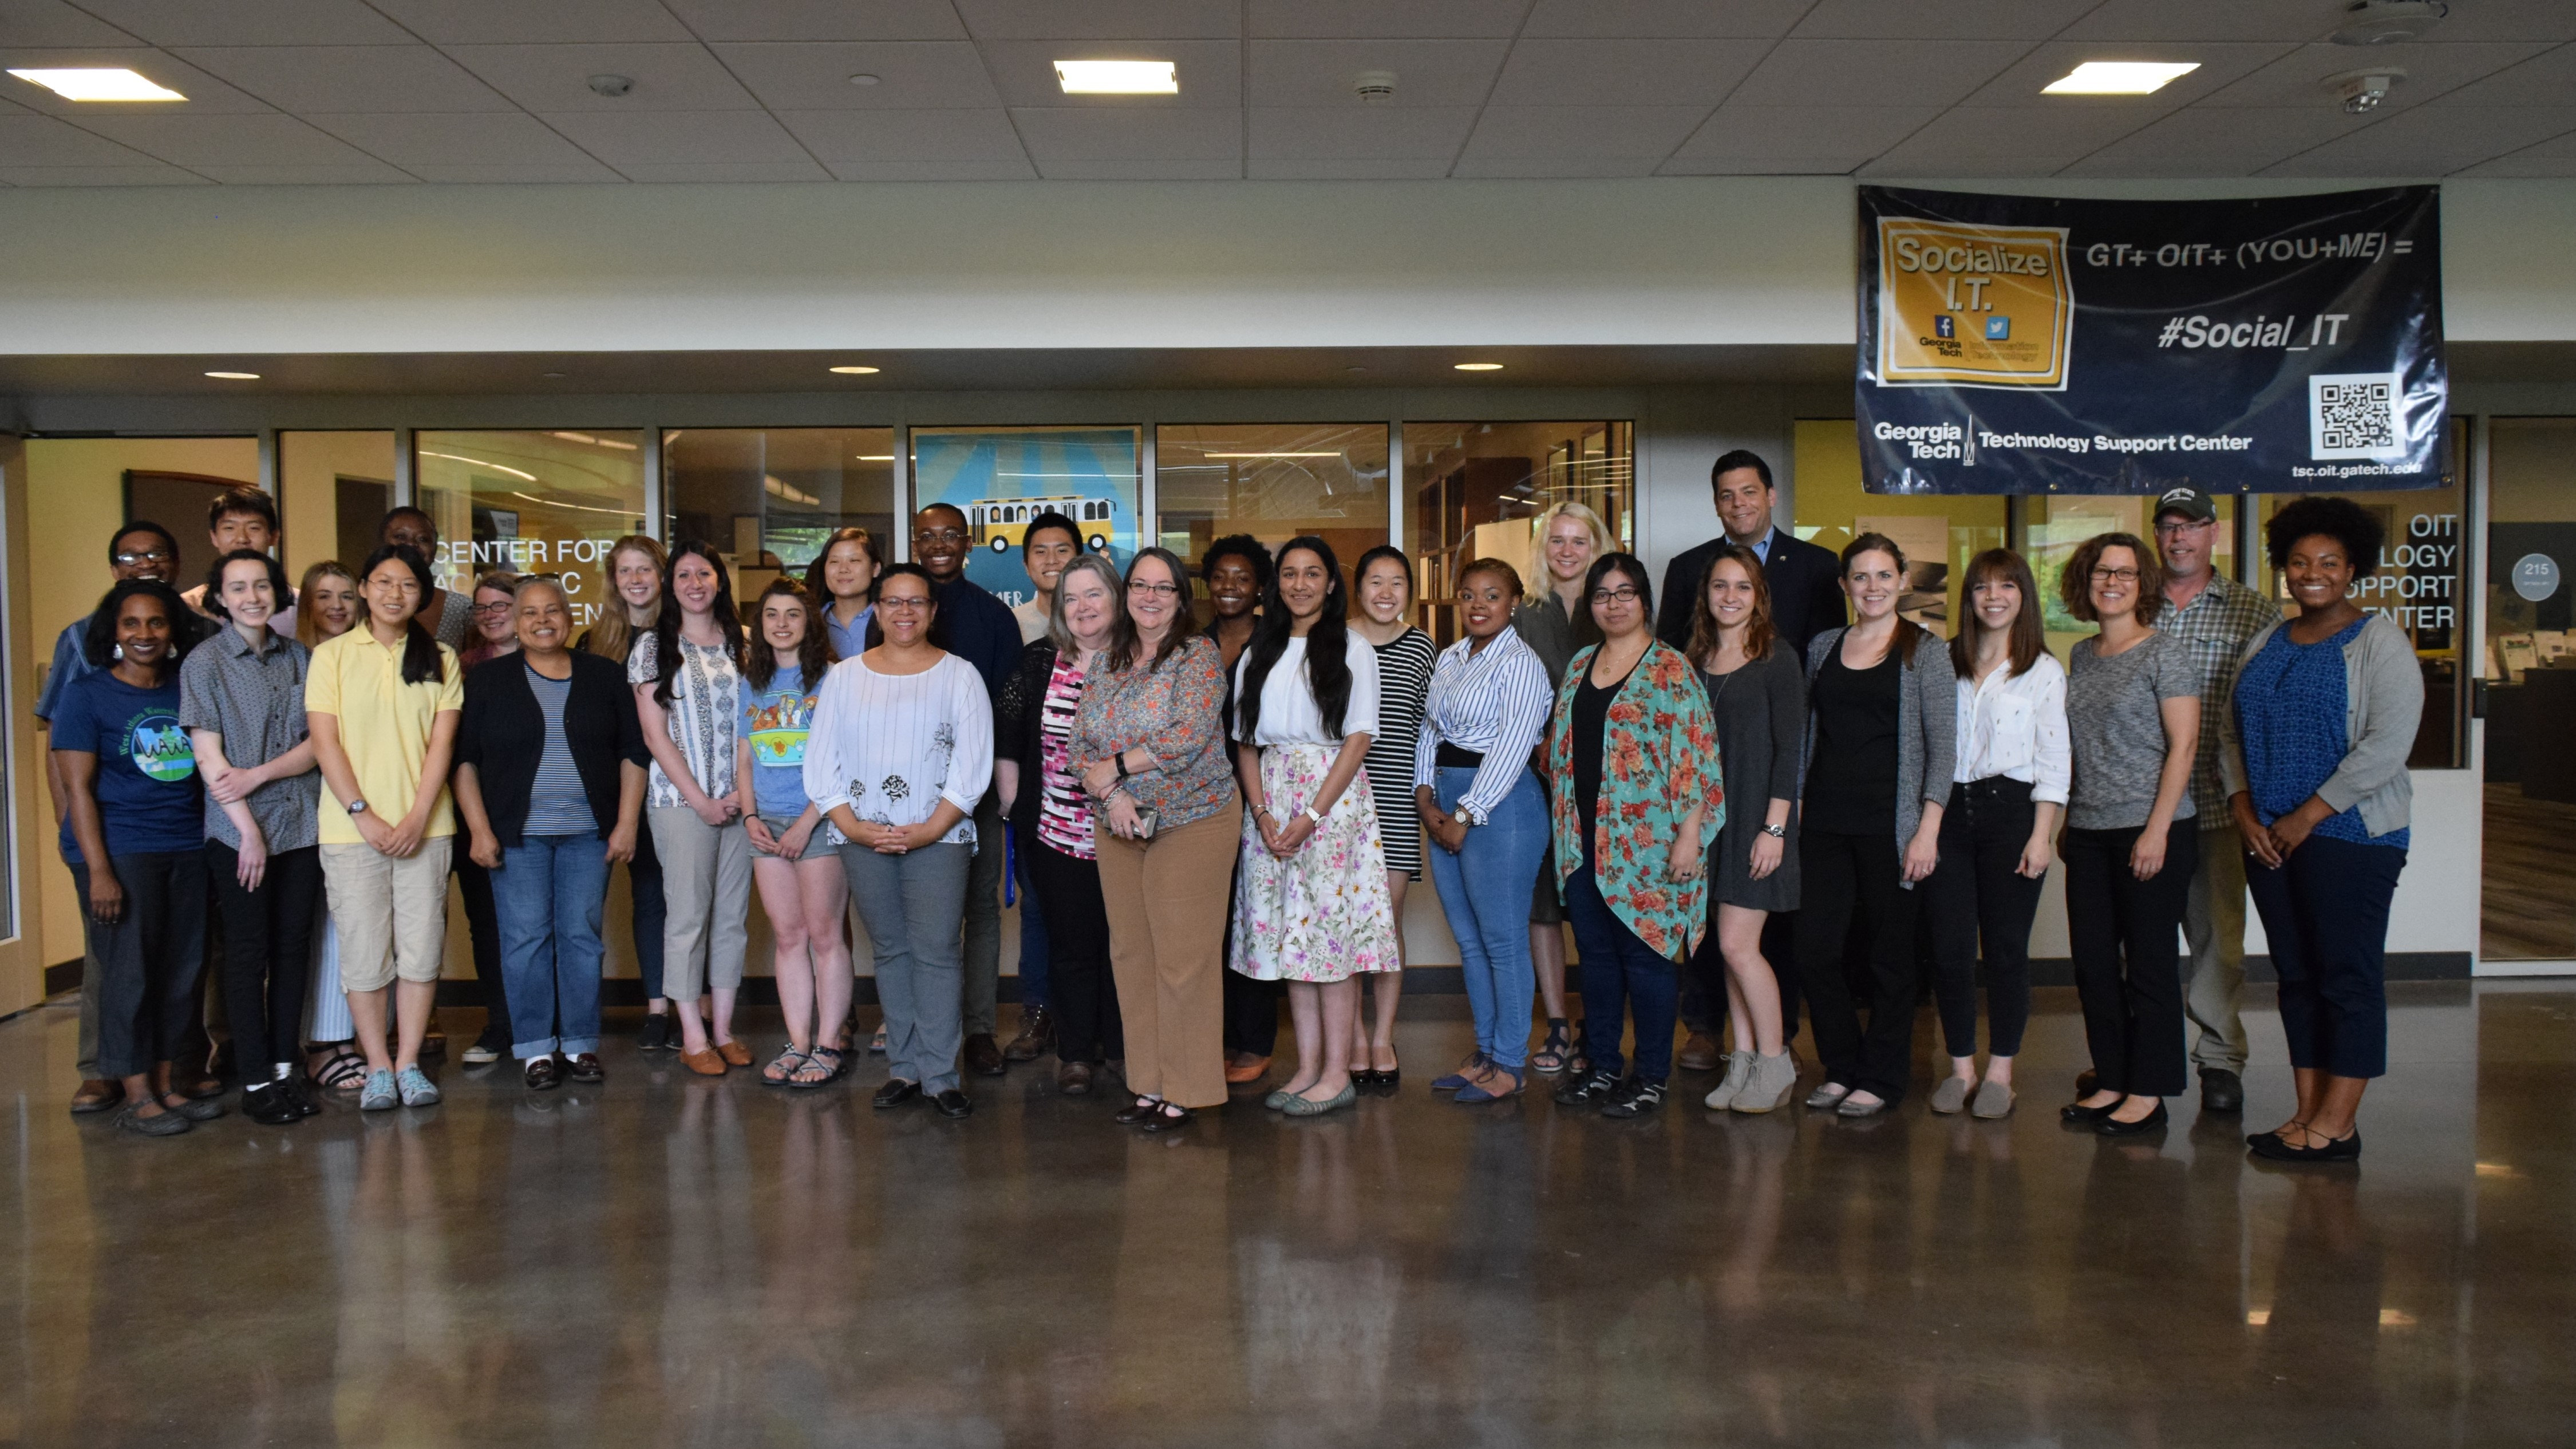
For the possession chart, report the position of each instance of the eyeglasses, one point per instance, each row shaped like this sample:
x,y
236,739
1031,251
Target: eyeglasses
x,y
495,611
129,560
1154,591
902,604
2115,576
1620,595
2181,525
939,535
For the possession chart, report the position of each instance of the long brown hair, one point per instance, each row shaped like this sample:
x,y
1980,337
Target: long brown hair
x,y
817,589
1908,633
613,636
2029,635
814,653
1758,631
308,623
1124,645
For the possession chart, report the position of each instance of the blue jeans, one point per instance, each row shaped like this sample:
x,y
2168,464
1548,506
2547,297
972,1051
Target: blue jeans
x,y
1033,930
550,892
1622,976
2325,911
1485,889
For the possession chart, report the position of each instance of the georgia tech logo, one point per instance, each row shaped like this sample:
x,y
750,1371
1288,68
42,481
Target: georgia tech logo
x,y
1931,274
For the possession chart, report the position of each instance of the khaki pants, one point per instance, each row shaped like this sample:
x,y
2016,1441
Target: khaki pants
x,y
2213,922
1166,900
391,913
706,882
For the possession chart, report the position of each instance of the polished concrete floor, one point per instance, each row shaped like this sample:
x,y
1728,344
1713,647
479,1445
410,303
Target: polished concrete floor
x,y
668,1260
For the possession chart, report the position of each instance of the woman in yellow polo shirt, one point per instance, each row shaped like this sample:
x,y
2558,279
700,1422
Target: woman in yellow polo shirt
x,y
382,703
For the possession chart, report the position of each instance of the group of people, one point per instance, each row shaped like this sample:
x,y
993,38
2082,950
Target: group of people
x,y
1736,802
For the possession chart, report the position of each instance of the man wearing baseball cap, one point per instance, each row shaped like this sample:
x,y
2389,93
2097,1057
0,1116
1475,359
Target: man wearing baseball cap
x,y
2214,616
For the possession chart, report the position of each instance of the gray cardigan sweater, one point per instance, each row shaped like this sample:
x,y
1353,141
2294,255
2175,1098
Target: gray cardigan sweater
x,y
1926,743
2383,689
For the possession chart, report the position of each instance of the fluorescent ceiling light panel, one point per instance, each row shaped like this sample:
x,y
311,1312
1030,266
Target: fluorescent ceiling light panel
x,y
854,371
1118,77
2120,77
236,376
98,85
1478,366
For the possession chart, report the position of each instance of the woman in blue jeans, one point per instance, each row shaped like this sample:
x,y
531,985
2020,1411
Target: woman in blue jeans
x,y
1484,809
550,777
2313,751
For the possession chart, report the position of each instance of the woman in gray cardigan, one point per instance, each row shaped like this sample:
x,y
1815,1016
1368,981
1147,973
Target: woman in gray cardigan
x,y
1881,722
2313,752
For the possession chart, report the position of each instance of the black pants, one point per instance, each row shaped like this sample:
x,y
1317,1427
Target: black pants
x,y
2325,911
1704,978
483,926
2122,932
149,961
1251,1007
268,953
1979,895
1852,883
1080,989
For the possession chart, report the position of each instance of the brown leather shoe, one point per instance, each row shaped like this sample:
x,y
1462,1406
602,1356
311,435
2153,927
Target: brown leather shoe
x,y
706,1063
984,1055
734,1053
1246,1069
1699,1054
1074,1079
1036,1038
585,1067
97,1095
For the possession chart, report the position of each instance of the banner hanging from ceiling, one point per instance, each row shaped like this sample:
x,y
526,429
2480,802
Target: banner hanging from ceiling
x,y
2028,344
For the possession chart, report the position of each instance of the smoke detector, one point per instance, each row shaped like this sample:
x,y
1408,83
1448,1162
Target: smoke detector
x,y
2387,22
2363,90
611,86
1374,87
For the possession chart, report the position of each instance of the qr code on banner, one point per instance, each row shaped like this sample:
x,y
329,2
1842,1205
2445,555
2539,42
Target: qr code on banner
x,y
2354,415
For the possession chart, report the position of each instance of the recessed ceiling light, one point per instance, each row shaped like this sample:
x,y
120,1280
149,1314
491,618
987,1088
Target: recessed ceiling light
x,y
876,457
98,85
2119,77
236,376
1118,77
1478,366
863,79
854,370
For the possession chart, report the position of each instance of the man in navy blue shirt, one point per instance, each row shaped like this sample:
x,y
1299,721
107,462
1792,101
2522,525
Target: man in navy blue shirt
x,y
978,628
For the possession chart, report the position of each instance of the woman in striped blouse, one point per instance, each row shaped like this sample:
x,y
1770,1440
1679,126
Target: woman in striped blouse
x,y
1405,657
1483,807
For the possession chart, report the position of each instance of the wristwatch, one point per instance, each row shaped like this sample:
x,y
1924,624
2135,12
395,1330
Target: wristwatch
x,y
1309,813
1462,817
356,807
1776,832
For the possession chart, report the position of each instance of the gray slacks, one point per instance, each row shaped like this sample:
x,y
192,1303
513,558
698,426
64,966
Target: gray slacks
x,y
2213,923
910,905
984,920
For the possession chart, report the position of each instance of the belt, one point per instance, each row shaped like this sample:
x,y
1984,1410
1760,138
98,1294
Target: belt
x,y
1451,757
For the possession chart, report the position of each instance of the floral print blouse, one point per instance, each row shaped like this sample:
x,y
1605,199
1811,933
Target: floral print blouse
x,y
1658,759
1176,711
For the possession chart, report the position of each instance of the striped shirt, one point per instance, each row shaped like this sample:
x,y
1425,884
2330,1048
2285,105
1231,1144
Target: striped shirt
x,y
1493,700
557,802
1064,809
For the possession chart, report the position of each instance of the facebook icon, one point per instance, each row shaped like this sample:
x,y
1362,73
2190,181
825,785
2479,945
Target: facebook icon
x,y
1945,325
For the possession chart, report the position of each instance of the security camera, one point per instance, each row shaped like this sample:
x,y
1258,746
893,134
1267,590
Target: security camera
x,y
611,86
2362,90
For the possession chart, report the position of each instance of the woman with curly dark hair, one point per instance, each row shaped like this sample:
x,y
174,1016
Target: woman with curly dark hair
x,y
800,881
2313,752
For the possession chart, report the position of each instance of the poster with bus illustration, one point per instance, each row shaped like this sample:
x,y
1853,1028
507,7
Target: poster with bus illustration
x,y
1000,478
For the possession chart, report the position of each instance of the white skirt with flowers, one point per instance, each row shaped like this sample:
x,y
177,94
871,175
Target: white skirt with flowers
x,y
1323,914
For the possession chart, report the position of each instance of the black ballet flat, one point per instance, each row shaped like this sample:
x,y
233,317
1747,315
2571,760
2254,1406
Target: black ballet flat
x,y
2110,1126
2079,1113
2338,1149
1136,1113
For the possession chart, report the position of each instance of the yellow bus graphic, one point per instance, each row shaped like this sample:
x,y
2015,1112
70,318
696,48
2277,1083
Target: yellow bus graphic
x,y
1000,523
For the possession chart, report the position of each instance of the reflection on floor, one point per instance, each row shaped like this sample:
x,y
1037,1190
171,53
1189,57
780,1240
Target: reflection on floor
x,y
668,1260
2528,915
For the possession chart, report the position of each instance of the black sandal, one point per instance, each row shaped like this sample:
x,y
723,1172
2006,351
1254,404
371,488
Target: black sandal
x,y
824,1057
1553,1054
346,1071
786,1065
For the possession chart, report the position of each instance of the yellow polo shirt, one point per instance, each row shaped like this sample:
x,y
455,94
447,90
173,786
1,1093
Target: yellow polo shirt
x,y
384,726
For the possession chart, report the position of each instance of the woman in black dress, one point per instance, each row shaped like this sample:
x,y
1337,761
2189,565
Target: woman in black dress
x,y
1759,695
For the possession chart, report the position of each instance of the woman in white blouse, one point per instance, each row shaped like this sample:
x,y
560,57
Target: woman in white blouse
x,y
901,750
1312,908
2007,791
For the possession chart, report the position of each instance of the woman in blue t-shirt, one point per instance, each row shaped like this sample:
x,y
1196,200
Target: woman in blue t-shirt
x,y
134,833
801,887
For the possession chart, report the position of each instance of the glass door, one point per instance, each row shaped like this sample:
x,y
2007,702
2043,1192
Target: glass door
x,y
2530,673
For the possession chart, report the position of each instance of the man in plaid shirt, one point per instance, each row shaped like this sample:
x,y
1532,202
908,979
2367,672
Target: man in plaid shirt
x,y
2215,617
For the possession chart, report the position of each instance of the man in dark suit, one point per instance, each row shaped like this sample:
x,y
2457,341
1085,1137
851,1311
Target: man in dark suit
x,y
1806,600
1806,590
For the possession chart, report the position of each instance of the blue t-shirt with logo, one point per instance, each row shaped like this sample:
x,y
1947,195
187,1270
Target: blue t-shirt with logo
x,y
148,801
777,720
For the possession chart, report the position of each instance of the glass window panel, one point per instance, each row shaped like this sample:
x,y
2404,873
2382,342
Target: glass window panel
x,y
1478,488
1274,481
1002,477
2528,776
531,502
2053,526
768,497
1938,534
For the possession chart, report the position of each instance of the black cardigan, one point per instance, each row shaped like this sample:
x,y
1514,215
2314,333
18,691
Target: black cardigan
x,y
1015,730
503,736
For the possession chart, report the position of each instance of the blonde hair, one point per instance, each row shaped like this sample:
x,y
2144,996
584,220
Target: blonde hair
x,y
308,623
1602,542
613,635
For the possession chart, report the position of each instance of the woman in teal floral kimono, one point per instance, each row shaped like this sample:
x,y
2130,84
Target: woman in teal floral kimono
x,y
1637,802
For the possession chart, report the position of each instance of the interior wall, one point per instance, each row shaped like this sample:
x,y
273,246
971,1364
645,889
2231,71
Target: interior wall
x,y
309,467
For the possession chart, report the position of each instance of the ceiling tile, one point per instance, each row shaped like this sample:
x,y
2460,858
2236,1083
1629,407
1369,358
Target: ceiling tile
x,y
1748,19
200,141
507,138
51,22
905,136
1824,135
150,174
371,173
1874,72
1915,20
2545,80
1017,169
1360,132
206,94
2023,82
1346,168
250,22
1555,166
1427,72
304,78
2508,20
2429,141
1784,164
496,22
2524,165
2287,21
2299,78
1638,72
1078,134
514,173
1334,19
1581,131
1210,71
725,172
557,77
29,140
1969,140
694,137
815,75
819,19
2214,141
1167,169
1101,19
